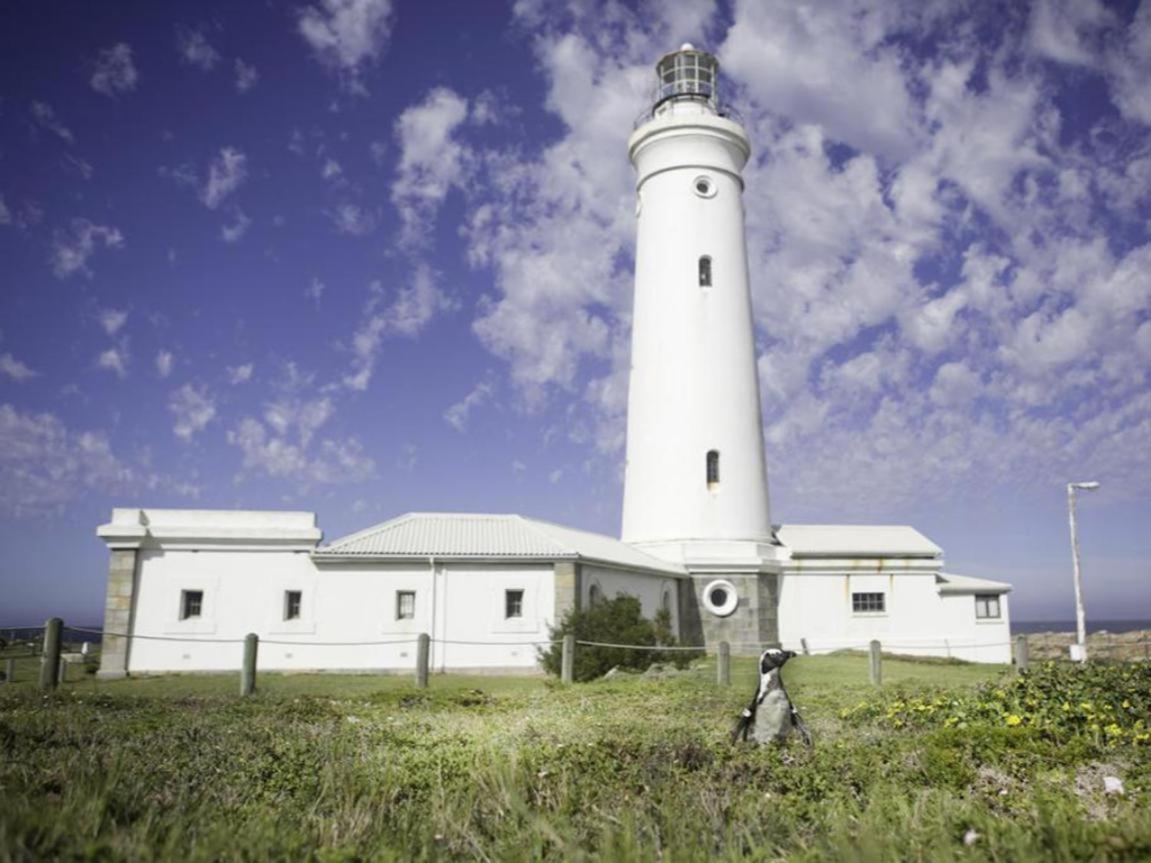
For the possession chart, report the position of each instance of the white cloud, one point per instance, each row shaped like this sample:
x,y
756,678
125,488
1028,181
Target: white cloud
x,y
1069,31
352,219
164,363
457,415
15,369
239,374
247,76
1130,68
331,170
114,71
195,50
72,248
304,417
411,308
193,408
431,160
5,213
346,35
315,290
234,232
113,320
44,115
332,461
225,174
115,359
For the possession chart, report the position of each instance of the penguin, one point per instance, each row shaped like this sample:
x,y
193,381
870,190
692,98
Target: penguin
x,y
770,717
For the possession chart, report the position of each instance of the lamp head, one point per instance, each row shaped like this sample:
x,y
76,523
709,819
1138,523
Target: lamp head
x,y
1084,486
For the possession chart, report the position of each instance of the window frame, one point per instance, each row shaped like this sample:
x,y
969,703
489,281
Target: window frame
x,y
514,603
401,596
712,469
186,601
986,599
864,602
298,597
706,273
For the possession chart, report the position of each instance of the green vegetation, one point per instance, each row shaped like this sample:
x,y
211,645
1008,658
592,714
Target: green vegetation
x,y
613,621
359,767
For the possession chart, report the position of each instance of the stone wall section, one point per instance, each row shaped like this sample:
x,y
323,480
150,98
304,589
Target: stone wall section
x,y
119,605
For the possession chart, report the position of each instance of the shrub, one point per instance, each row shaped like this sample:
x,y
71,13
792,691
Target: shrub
x,y
612,621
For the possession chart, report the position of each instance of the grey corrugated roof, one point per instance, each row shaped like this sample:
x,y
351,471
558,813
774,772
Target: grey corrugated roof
x,y
855,540
487,535
949,582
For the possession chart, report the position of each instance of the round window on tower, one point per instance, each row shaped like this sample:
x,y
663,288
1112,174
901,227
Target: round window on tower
x,y
704,187
719,598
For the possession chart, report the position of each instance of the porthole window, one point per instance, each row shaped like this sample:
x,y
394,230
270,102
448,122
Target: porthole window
x,y
705,271
704,187
712,470
719,597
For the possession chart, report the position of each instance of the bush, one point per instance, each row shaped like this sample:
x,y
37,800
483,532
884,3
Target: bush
x,y
612,621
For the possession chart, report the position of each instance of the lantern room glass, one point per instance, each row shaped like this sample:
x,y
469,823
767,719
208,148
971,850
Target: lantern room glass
x,y
691,74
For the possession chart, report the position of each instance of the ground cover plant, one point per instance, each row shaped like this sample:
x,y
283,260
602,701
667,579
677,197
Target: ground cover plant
x,y
342,768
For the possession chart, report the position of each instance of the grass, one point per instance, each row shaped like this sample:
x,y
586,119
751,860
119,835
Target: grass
x,y
361,767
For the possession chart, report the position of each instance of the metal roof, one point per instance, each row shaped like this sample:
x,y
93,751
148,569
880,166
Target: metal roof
x,y
488,536
951,583
855,540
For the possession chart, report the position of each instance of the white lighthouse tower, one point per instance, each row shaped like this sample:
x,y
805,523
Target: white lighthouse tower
x,y
695,489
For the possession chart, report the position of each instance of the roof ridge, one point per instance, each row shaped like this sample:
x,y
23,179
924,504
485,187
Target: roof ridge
x,y
533,525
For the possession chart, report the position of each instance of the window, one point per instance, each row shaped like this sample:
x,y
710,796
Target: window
x,y
705,271
594,595
986,606
704,187
513,603
720,598
293,599
405,604
712,469
867,603
191,603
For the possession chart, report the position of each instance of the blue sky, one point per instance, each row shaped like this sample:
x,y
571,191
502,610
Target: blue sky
x,y
370,256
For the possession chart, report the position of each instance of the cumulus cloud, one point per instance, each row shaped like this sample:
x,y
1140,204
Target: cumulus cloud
x,y
72,248
164,363
114,71
234,232
352,219
14,369
267,451
225,174
195,50
192,408
346,35
458,415
240,374
247,76
113,320
115,359
45,117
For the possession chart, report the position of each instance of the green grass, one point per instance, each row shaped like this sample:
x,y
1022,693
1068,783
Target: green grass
x,y
365,767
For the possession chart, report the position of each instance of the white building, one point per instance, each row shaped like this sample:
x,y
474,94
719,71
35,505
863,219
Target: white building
x,y
697,536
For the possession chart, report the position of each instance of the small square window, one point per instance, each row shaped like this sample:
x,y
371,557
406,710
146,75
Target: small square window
x,y
868,603
191,603
405,604
293,600
513,603
986,606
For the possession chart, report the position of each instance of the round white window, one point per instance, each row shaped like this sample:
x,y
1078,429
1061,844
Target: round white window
x,y
720,598
704,186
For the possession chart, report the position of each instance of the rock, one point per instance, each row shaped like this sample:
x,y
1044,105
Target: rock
x,y
1112,785
970,838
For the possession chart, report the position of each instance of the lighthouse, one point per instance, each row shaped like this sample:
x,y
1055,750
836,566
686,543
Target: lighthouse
x,y
695,485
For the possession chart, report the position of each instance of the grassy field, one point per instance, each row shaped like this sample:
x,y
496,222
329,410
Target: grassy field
x,y
364,767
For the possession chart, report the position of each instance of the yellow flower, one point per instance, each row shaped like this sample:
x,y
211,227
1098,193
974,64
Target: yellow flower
x,y
1014,719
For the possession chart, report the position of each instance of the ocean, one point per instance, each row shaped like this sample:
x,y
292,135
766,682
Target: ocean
x,y
1024,626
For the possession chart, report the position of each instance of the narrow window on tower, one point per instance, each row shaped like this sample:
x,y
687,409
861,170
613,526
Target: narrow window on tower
x,y
705,271
712,470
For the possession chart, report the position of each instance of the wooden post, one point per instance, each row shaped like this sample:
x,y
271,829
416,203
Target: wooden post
x,y
50,658
876,664
1022,660
248,670
10,670
803,646
423,654
568,662
723,664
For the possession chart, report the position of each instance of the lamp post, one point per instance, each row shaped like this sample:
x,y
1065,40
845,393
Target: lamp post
x,y
1080,616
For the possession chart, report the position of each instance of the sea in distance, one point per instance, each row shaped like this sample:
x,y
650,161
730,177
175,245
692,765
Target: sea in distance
x,y
1024,626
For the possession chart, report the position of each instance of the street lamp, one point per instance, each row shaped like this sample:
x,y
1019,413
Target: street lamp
x,y
1080,616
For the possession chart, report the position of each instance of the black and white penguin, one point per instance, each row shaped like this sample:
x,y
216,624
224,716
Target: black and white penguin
x,y
770,717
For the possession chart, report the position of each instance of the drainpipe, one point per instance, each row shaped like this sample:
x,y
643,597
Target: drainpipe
x,y
432,646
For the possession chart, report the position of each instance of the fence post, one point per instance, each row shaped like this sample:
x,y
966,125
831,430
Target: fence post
x,y
50,658
723,664
876,664
423,654
10,670
803,646
1022,659
248,669
568,660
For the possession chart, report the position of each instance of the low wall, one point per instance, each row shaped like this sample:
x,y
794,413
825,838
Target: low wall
x,y
1126,646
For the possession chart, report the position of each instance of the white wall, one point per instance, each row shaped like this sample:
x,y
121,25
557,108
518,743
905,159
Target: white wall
x,y
244,592
817,606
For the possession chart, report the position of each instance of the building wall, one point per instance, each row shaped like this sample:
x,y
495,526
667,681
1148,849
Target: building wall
x,y
244,592
652,590
816,608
